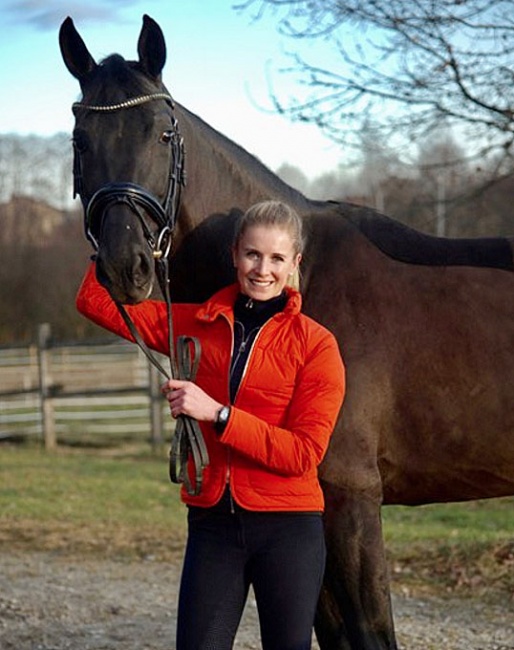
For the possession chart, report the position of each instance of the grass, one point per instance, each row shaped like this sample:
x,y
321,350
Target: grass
x,y
476,521
120,503
89,501
453,547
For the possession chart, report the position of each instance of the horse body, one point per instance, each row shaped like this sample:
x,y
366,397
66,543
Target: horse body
x,y
428,352
425,325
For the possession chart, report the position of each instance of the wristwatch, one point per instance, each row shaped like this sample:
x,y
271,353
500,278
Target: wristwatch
x,y
222,417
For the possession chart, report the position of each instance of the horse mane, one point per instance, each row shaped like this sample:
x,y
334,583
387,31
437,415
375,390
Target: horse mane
x,y
393,238
405,244
245,165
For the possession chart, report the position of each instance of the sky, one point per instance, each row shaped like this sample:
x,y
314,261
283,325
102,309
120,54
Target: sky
x,y
221,65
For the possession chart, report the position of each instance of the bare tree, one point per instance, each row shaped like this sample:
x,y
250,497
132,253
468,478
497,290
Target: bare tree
x,y
443,179
407,66
36,166
40,273
294,177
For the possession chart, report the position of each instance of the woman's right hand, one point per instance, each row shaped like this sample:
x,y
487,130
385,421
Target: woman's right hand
x,y
186,398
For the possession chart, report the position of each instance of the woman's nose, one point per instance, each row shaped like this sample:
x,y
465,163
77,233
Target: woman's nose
x,y
262,267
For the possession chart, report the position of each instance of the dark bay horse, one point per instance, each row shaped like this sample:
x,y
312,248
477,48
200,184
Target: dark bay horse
x,y
425,325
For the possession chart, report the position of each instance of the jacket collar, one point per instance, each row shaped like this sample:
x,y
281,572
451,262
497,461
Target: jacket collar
x,y
222,303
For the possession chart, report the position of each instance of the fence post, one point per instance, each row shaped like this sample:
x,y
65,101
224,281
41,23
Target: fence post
x,y
155,405
47,407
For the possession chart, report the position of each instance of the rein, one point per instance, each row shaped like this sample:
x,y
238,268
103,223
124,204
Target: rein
x,y
188,439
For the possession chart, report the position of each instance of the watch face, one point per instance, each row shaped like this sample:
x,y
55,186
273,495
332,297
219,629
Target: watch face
x,y
222,418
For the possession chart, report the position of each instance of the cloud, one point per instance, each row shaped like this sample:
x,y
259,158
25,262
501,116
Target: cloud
x,y
44,15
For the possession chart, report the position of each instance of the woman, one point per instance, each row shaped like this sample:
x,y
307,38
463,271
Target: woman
x,y
267,394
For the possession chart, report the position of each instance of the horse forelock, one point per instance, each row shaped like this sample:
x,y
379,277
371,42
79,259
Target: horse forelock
x,y
116,78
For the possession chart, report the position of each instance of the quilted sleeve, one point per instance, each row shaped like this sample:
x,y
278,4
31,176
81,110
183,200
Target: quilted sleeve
x,y
300,445
149,317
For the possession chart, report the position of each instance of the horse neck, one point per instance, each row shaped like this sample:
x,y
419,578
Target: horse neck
x,y
222,176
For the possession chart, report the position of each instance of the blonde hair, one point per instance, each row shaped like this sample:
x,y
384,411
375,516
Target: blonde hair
x,y
278,214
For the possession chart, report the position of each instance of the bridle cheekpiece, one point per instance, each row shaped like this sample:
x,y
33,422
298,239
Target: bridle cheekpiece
x,y
133,195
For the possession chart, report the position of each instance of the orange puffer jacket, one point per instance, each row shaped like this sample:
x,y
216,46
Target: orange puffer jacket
x,y
286,406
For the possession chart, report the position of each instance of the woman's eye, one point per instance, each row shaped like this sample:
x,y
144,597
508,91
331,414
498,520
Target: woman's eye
x,y
166,137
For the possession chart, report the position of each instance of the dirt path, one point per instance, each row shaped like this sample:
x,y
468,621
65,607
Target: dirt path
x,y
52,602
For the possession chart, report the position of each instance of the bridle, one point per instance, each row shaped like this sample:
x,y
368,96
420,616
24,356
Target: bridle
x,y
188,439
131,194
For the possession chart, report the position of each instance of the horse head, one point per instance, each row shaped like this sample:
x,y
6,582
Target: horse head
x,y
128,159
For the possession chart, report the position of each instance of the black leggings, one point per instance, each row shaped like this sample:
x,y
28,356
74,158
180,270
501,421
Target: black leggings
x,y
282,555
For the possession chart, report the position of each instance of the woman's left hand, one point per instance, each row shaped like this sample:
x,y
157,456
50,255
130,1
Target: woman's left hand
x,y
186,398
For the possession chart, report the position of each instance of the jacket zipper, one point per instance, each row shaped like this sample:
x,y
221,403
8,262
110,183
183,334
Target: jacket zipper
x,y
227,473
241,349
248,358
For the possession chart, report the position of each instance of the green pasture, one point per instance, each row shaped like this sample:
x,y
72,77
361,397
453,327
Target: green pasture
x,y
120,503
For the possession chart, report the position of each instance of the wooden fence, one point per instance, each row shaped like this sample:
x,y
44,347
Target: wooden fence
x,y
81,393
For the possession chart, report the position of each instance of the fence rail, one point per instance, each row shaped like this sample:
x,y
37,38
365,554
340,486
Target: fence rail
x,y
80,392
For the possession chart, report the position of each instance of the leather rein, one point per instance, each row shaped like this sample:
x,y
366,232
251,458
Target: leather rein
x,y
187,440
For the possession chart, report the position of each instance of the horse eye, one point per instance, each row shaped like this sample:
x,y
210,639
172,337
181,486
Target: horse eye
x,y
166,137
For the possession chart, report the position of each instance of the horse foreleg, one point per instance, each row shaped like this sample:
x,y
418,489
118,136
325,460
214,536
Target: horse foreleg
x,y
354,611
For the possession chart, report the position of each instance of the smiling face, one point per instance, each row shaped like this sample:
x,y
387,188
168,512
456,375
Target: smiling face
x,y
265,257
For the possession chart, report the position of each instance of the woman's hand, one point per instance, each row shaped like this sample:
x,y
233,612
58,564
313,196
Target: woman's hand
x,y
186,398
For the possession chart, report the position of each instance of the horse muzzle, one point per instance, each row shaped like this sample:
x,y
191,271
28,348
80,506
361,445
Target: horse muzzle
x,y
118,222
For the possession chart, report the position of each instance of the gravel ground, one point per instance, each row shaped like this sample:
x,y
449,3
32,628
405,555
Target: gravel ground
x,y
49,601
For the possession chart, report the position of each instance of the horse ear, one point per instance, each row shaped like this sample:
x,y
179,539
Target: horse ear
x,y
151,48
74,52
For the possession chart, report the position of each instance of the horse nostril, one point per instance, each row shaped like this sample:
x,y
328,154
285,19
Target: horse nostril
x,y
141,270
